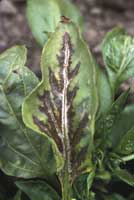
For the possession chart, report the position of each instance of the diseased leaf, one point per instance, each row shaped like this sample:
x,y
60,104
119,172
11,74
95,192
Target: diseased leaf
x,y
118,54
38,190
44,16
124,176
64,104
23,153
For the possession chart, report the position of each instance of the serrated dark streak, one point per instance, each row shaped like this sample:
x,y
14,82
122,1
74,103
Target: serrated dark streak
x,y
57,105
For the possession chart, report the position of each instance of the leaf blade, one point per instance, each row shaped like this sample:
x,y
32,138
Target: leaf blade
x,y
20,147
62,77
117,50
46,15
38,189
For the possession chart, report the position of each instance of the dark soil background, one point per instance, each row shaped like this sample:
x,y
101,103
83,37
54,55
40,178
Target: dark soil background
x,y
99,15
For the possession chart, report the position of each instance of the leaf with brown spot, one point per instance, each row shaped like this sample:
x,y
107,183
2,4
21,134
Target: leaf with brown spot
x,y
64,104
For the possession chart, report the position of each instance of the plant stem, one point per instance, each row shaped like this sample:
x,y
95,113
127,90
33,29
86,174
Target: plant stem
x,y
66,184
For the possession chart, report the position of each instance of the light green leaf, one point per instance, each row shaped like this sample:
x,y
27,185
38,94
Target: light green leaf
x,y
44,16
64,104
118,54
23,153
38,190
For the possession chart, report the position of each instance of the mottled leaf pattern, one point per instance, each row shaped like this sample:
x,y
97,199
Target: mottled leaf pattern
x,y
118,54
64,104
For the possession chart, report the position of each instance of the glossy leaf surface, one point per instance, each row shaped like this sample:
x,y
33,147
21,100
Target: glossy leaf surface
x,y
64,104
118,54
43,16
23,153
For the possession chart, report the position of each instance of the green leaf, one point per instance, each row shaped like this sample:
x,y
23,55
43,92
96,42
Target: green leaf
x,y
104,92
118,54
17,196
38,190
124,176
44,16
126,145
23,153
131,196
123,124
114,197
82,186
10,61
64,104
106,122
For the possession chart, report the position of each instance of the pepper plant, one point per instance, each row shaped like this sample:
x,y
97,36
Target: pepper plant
x,y
70,135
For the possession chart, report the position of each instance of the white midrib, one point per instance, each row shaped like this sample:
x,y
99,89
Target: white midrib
x,y
65,130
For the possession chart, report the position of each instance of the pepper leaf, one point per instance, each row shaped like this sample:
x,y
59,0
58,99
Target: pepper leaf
x,y
23,153
114,197
17,196
106,122
118,54
43,16
104,92
124,176
124,123
64,104
126,145
38,190
82,186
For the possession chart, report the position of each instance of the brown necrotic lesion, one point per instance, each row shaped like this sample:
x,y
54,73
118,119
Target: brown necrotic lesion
x,y
57,103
